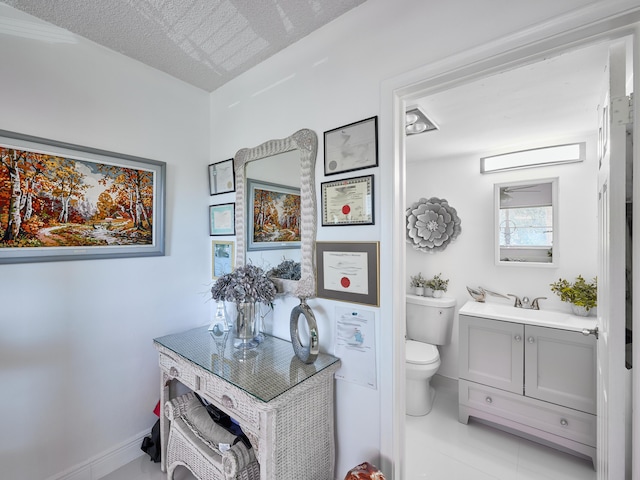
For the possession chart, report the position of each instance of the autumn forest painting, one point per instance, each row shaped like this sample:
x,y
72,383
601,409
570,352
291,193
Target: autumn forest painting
x,y
276,216
54,201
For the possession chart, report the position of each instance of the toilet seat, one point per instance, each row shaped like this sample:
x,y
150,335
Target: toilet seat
x,y
419,353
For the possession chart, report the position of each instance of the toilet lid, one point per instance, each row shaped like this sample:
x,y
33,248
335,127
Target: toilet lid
x,y
421,353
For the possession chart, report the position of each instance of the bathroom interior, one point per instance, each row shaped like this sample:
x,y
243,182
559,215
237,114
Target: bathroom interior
x,y
549,102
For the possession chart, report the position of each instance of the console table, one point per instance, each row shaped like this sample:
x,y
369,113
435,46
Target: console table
x,y
284,406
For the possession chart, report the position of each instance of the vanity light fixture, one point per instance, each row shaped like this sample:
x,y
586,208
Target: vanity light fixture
x,y
536,157
417,122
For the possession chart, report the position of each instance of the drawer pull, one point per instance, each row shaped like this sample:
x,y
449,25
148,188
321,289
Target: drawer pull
x,y
227,401
517,338
564,422
489,400
173,371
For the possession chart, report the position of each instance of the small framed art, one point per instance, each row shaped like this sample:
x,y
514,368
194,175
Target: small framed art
x,y
348,202
222,219
223,257
222,177
351,147
349,271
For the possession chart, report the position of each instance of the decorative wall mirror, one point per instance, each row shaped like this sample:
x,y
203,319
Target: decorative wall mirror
x,y
526,223
284,166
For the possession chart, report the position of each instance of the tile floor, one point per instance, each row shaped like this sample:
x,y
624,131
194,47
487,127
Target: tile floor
x,y
440,448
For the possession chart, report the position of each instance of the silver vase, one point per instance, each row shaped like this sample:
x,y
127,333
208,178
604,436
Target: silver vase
x,y
245,327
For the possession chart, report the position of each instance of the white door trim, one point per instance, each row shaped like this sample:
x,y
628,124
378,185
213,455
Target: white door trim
x,y
599,22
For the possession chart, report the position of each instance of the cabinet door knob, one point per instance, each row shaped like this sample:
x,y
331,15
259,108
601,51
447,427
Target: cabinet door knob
x,y
517,338
530,340
564,422
489,400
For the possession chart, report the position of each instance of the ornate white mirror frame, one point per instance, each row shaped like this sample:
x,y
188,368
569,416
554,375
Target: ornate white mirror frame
x,y
305,141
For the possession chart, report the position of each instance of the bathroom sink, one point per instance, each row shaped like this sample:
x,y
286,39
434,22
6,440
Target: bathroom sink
x,y
541,318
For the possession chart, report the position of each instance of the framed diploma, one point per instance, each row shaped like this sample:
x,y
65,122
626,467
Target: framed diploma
x,y
351,147
348,202
221,177
349,271
222,219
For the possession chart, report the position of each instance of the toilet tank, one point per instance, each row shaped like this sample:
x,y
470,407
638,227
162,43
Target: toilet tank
x,y
430,320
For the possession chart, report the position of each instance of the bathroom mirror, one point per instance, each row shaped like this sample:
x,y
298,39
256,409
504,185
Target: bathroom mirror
x,y
284,165
526,223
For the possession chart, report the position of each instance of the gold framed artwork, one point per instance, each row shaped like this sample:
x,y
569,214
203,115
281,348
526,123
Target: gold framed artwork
x,y
349,271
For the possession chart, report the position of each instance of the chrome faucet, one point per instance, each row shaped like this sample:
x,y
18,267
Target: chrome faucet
x,y
526,303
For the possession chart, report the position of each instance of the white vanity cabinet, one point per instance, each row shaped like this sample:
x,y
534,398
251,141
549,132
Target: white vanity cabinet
x,y
536,378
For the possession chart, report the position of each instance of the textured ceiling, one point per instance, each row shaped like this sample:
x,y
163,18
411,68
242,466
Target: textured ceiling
x,y
203,42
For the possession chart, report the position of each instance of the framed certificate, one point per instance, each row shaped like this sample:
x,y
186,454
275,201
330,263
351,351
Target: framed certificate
x,y
348,271
348,202
222,219
351,147
221,177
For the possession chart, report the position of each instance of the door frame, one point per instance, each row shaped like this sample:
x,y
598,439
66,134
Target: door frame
x,y
580,28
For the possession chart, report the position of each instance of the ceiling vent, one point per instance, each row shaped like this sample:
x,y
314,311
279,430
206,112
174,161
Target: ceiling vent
x,y
417,122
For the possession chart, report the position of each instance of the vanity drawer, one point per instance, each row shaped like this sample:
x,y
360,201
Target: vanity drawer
x,y
234,401
547,417
180,370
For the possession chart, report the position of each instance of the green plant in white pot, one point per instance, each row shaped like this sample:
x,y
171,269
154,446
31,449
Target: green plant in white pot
x,y
439,285
582,295
418,283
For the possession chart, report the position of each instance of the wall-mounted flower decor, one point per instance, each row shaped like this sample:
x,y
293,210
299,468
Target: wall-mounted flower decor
x,y
432,224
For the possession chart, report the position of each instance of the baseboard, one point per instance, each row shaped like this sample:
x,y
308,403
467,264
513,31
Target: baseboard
x,y
103,464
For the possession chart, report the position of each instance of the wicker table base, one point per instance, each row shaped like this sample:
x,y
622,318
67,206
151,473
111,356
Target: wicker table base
x,y
284,406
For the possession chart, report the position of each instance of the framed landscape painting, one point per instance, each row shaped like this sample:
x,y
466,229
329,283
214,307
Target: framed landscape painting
x,y
276,216
60,201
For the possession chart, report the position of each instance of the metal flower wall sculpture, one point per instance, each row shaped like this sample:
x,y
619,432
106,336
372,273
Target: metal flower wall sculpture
x,y
432,224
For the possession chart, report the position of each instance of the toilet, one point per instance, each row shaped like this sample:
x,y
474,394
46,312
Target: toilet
x,y
429,323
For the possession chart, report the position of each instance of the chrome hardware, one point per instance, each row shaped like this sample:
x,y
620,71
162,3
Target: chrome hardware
x,y
591,331
530,340
517,338
526,303
534,303
517,302
564,422
173,371
489,400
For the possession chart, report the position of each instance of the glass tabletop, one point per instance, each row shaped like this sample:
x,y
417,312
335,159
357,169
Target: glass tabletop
x,y
265,372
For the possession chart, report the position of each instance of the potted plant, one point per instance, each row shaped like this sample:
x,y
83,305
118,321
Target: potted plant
x,y
418,282
285,275
582,295
439,285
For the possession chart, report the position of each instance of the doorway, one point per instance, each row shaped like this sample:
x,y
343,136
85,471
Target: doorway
x,y
402,96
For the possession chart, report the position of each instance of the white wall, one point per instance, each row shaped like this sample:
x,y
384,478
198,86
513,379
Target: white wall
x,y
78,370
469,260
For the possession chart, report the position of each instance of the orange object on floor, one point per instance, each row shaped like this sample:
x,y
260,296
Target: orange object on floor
x,y
364,471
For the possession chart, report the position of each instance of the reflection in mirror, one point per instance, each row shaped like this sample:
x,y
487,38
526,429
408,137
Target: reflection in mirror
x,y
289,164
526,222
273,199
